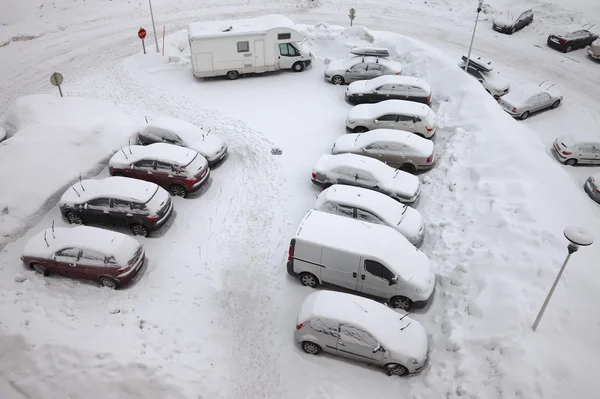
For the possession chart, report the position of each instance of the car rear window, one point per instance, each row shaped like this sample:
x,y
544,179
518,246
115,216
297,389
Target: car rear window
x,y
158,200
193,167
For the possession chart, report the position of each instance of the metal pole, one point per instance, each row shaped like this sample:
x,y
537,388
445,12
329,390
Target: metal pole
x,y
153,26
543,309
144,46
472,38
60,91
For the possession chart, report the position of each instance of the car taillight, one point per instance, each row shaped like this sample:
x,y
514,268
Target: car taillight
x,y
428,99
314,175
152,218
123,269
430,158
290,253
429,129
563,41
399,73
567,152
191,180
514,109
299,326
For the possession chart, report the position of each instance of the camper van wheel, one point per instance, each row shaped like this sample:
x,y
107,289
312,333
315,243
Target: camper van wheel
x,y
298,67
233,75
309,280
396,369
401,302
337,80
311,348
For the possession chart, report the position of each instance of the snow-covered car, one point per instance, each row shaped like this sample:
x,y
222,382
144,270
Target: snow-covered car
x,y
361,329
523,100
507,23
372,207
177,169
117,201
483,71
184,134
592,187
361,171
392,114
594,50
572,152
396,148
2,133
110,258
389,87
356,68
566,42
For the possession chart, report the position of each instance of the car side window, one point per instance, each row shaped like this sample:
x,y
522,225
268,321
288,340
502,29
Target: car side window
x,y
69,253
344,210
92,258
356,336
405,118
366,177
384,89
137,208
164,167
475,73
120,205
367,216
326,327
389,117
375,67
171,138
586,147
361,67
144,164
545,97
379,270
99,203
376,146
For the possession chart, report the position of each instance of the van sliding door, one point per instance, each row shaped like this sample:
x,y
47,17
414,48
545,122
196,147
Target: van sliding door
x,y
341,268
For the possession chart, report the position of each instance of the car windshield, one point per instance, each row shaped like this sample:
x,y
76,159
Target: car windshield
x,y
154,204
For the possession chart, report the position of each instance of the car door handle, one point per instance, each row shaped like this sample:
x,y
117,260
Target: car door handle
x,y
341,344
72,264
354,275
362,277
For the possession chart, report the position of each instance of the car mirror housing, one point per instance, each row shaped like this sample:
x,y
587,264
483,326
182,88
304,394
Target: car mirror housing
x,y
376,121
378,348
394,280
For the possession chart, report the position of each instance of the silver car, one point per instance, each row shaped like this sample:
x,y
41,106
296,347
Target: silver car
x,y
349,70
523,100
592,187
571,152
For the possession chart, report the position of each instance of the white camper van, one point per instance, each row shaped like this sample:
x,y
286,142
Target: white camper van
x,y
372,259
255,45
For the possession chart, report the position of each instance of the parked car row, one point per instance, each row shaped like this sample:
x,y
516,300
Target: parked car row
x,y
135,197
570,151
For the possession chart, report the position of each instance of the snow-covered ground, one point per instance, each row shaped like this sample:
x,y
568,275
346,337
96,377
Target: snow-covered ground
x,y
213,314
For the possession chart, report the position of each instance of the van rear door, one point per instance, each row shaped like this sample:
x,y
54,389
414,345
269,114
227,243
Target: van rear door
x,y
340,268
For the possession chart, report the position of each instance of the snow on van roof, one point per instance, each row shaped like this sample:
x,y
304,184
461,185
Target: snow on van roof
x,y
110,187
158,151
239,26
419,144
106,242
398,80
373,111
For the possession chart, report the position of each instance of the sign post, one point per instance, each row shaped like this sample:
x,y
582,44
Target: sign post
x,y
142,35
352,15
56,79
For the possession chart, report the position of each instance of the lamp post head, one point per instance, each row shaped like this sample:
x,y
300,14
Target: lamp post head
x,y
578,237
479,5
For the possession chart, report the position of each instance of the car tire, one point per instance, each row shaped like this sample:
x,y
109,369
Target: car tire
x,y
118,174
396,369
555,104
360,129
311,348
233,75
108,283
360,100
140,230
524,115
568,49
39,269
337,80
401,302
571,162
74,218
178,191
409,168
298,67
309,280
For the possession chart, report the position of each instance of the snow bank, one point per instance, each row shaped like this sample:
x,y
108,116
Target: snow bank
x,y
51,141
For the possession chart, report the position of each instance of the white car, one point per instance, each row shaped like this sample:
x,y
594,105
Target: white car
x,y
491,80
184,134
363,330
523,100
594,49
572,152
372,207
360,171
389,87
393,114
349,70
2,133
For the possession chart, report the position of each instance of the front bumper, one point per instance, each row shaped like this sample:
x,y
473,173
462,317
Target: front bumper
x,y
218,158
502,29
422,304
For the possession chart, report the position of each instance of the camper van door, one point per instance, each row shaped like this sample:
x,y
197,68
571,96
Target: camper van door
x,y
288,55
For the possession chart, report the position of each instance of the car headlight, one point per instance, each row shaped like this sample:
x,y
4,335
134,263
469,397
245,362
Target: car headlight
x,y
413,360
420,290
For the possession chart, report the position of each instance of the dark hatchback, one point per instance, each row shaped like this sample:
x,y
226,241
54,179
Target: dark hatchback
x,y
509,25
571,41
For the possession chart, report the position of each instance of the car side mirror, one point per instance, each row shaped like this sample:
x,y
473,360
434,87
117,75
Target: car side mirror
x,y
85,206
394,280
53,256
378,348
347,70
376,121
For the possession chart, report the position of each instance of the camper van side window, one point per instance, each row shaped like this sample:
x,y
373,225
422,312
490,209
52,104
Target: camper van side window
x,y
243,47
284,36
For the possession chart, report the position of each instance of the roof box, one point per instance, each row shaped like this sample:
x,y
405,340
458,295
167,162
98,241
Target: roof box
x,y
371,51
479,63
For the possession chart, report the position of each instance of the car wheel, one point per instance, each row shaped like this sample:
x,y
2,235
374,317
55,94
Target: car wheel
x,y
178,191
311,348
233,75
298,67
74,218
401,302
524,115
309,280
568,49
555,104
337,80
571,162
140,230
360,129
39,269
360,100
410,168
118,174
396,369
108,283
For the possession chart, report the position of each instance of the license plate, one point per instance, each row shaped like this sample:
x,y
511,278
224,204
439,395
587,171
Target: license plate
x,y
554,40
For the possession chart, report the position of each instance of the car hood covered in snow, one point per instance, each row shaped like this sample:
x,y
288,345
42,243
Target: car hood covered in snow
x,y
402,183
346,143
357,87
504,20
496,80
342,65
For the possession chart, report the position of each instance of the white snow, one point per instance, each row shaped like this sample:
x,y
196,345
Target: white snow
x,y
412,143
236,27
519,95
110,187
373,111
397,80
158,151
341,65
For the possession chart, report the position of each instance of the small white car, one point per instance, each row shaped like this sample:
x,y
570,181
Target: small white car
x,y
363,330
183,134
483,71
360,171
349,70
523,100
372,207
389,87
396,148
393,114
571,152
594,50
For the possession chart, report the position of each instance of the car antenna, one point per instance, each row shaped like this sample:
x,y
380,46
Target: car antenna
x,y
80,182
402,329
48,245
77,192
126,157
129,145
53,236
366,311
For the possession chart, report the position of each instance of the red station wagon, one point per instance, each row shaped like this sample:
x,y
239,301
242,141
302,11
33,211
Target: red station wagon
x,y
178,169
88,253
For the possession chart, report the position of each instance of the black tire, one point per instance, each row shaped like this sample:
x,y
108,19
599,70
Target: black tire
x,y
233,75
309,280
108,283
396,369
360,129
555,104
360,100
337,80
178,191
524,115
118,174
401,302
74,218
39,269
571,162
311,348
409,168
298,67
568,49
140,230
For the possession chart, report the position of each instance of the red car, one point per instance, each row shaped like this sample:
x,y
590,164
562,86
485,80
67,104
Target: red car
x,y
178,169
88,253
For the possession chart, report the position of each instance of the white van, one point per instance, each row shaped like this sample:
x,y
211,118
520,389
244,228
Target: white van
x,y
254,45
372,259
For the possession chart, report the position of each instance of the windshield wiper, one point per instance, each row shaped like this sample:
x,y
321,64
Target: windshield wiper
x,y
402,329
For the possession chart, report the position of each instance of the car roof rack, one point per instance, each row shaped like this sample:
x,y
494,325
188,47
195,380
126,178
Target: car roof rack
x,y
371,51
479,63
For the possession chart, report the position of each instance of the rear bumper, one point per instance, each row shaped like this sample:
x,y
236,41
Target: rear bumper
x,y
561,157
160,222
126,277
290,268
591,192
556,46
199,183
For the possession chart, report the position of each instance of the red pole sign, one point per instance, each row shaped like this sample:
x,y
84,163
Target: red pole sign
x,y
142,33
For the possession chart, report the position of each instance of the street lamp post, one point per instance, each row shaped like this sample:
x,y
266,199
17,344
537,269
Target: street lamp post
x,y
154,26
578,237
480,4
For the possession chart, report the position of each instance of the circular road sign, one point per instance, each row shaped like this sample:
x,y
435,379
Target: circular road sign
x,y
142,33
56,79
